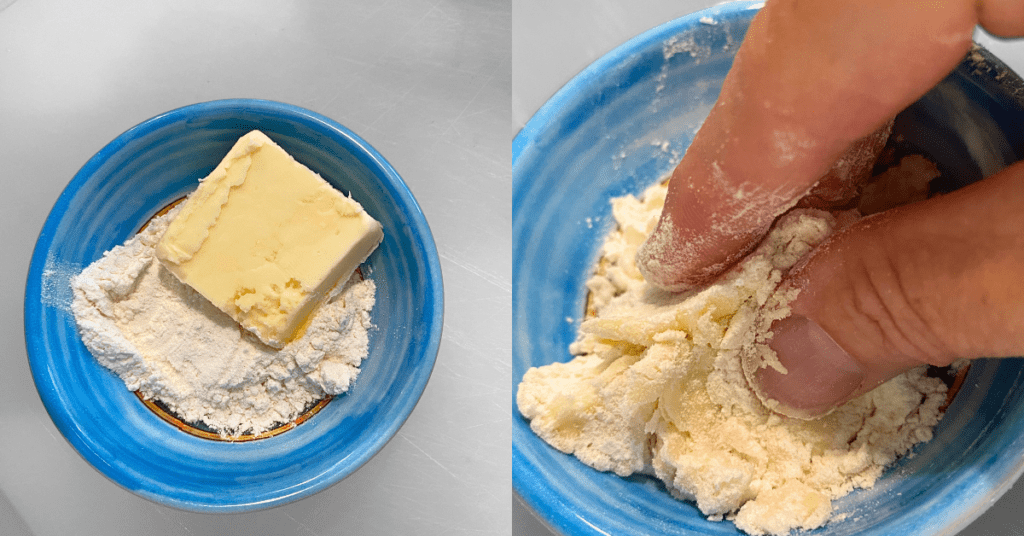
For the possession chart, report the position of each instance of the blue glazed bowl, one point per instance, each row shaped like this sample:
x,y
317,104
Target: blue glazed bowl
x,y
112,196
604,135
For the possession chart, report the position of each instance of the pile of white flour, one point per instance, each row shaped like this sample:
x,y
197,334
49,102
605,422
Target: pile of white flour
x,y
657,387
169,343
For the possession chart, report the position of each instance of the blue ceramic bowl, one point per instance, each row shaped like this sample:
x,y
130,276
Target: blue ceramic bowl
x,y
116,192
601,136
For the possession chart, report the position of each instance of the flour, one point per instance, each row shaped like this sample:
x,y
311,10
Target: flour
x,y
169,343
657,387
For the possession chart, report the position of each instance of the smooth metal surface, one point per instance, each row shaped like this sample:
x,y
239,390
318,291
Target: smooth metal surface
x,y
427,83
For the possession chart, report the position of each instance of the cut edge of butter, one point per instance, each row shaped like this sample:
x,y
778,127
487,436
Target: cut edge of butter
x,y
342,273
265,239
205,202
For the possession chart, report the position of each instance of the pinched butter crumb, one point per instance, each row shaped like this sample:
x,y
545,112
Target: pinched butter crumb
x,y
264,238
657,387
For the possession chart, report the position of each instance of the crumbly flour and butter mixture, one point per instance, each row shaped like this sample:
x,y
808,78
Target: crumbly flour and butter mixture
x,y
169,343
656,386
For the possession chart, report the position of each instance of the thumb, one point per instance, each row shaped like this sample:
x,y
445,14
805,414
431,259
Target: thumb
x,y
922,284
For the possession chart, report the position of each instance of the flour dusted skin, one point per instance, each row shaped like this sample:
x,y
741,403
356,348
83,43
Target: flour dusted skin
x,y
657,387
166,341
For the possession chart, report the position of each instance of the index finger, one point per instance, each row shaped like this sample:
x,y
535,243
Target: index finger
x,y
810,79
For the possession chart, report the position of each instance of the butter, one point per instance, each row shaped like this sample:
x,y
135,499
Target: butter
x,y
265,239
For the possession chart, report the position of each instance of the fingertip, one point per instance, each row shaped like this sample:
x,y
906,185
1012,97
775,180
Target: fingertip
x,y
677,258
663,259
652,257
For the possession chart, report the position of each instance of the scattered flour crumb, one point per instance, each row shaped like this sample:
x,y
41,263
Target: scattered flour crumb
x,y
684,43
663,145
656,387
55,289
169,343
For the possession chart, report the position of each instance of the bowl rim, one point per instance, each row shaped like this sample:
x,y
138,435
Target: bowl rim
x,y
528,134
40,362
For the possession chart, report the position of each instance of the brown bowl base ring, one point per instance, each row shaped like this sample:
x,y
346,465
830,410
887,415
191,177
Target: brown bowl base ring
x,y
200,429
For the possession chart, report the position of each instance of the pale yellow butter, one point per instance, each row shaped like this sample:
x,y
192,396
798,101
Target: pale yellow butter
x,y
265,239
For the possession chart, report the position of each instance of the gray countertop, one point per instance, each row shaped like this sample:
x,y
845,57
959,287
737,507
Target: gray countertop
x,y
432,85
553,41
426,82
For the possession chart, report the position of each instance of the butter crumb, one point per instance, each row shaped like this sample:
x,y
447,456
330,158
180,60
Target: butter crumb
x,y
657,387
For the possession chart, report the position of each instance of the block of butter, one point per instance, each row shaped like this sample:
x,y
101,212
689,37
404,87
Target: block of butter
x,y
265,239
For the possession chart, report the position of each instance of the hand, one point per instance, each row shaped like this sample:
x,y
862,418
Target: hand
x,y
923,284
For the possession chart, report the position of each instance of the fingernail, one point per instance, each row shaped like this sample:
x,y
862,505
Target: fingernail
x,y
819,376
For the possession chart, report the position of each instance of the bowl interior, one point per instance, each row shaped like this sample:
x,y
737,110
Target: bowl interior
x,y
117,191
615,129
